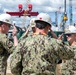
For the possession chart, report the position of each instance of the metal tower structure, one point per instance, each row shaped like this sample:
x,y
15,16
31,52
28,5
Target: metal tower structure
x,y
56,15
70,11
25,12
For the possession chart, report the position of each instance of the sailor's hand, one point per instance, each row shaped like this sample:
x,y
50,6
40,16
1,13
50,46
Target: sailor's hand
x,y
14,33
61,37
50,29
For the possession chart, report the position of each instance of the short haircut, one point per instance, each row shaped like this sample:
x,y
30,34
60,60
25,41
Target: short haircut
x,y
41,25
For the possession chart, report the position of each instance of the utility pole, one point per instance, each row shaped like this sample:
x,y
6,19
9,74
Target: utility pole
x,y
65,16
56,18
70,11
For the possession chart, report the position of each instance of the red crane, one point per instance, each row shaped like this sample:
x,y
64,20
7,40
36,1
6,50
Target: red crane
x,y
21,12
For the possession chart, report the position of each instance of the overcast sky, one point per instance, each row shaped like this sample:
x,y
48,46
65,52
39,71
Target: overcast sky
x,y
48,6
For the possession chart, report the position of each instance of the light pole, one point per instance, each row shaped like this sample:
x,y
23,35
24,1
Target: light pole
x,y
65,16
56,18
70,11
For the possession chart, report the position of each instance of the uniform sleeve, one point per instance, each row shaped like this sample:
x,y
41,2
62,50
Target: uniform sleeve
x,y
7,44
22,38
63,51
16,65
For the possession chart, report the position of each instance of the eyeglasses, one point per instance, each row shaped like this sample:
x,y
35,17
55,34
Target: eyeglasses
x,y
68,35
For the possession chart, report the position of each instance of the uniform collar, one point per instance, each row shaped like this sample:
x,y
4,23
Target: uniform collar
x,y
39,34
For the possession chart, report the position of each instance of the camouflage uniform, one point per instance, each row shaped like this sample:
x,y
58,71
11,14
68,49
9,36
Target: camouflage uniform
x,y
69,67
22,38
38,55
5,50
64,68
74,62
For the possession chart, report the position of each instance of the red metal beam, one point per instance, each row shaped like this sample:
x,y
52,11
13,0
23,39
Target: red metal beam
x,y
29,13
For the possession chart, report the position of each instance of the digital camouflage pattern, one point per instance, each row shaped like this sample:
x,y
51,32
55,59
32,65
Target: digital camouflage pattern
x,y
74,61
38,55
5,49
69,67
64,68
23,37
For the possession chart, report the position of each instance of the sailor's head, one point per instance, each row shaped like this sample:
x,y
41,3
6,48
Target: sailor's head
x,y
5,22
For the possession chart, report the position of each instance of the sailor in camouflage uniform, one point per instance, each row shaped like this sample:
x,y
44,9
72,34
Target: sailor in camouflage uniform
x,y
5,44
32,26
69,66
28,32
38,54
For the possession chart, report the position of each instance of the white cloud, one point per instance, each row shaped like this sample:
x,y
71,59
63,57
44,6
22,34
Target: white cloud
x,y
1,9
